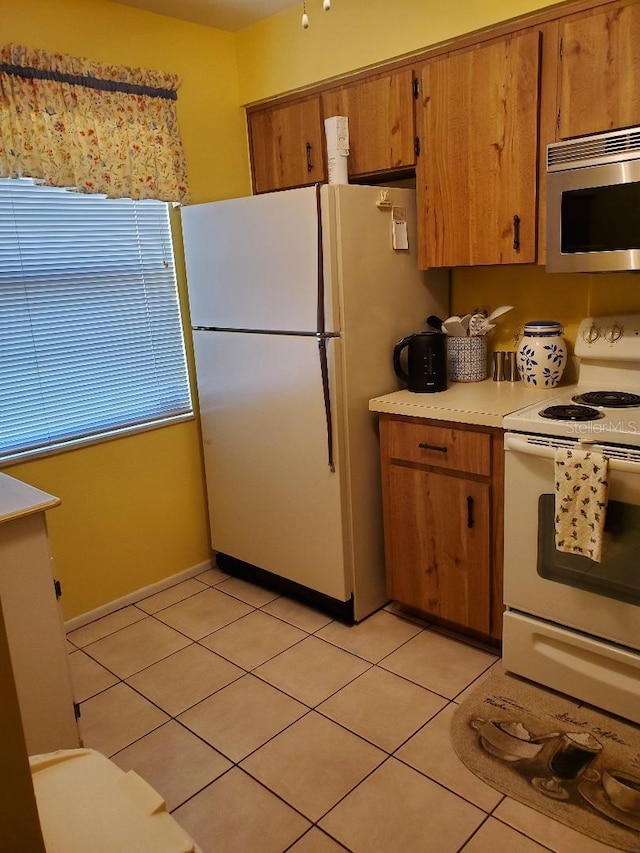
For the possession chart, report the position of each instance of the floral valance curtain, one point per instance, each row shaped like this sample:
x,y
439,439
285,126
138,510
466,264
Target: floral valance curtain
x,y
99,128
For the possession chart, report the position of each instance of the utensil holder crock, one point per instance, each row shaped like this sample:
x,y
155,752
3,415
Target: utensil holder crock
x,y
467,358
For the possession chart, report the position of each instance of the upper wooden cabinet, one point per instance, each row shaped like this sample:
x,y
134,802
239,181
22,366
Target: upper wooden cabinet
x,y
477,120
599,76
287,146
381,123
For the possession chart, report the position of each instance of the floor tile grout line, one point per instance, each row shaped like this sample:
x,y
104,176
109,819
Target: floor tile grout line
x,y
324,699
190,707
109,633
316,821
267,660
324,832
235,766
293,624
521,832
143,618
139,603
474,833
475,680
219,628
420,728
137,671
433,779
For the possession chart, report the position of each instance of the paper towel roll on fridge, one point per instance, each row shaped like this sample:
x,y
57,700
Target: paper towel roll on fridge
x,y
336,130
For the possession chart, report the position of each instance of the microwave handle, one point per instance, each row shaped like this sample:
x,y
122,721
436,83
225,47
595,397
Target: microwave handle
x,y
546,448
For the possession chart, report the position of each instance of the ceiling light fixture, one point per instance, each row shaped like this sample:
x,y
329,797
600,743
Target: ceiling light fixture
x,y
326,5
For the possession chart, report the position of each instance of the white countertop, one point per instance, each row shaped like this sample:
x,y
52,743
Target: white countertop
x,y
17,499
484,403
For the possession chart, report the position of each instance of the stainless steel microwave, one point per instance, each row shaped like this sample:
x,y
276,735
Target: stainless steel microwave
x,y
593,203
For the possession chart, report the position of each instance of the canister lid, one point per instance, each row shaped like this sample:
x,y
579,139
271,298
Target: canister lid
x,y
543,327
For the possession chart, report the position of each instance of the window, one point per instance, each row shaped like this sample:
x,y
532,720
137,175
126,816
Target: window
x,y
90,332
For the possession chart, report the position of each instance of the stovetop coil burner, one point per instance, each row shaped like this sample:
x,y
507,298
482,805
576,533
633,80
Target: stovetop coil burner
x,y
608,399
571,413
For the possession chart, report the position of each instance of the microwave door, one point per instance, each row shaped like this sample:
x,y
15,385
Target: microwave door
x,y
592,218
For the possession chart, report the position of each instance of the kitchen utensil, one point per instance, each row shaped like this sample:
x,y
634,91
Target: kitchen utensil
x,y
452,326
480,324
426,362
499,312
435,322
476,324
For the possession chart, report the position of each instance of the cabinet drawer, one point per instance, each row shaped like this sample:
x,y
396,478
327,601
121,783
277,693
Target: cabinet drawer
x,y
453,449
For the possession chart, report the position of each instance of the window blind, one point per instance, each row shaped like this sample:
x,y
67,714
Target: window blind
x,y
90,330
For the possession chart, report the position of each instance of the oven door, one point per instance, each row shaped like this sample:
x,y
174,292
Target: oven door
x,y
598,599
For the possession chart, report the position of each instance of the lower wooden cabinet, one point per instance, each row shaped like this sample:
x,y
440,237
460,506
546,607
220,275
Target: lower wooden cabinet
x,y
442,489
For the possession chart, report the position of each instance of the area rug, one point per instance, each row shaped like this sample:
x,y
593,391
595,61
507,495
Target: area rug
x,y
571,762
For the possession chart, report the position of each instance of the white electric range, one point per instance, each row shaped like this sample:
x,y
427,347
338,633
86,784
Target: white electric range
x,y
573,624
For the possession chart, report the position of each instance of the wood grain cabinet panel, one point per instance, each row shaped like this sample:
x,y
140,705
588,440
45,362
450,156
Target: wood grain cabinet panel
x,y
477,120
452,449
443,520
439,545
600,70
381,121
287,146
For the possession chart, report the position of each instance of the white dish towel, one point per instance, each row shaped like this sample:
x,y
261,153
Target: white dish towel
x,y
581,501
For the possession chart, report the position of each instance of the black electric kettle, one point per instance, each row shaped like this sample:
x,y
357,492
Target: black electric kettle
x,y
426,362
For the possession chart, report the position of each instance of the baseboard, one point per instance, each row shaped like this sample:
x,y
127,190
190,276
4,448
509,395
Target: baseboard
x,y
137,595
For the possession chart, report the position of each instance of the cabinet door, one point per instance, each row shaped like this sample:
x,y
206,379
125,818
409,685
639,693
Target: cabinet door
x,y
477,119
437,545
600,71
287,146
381,121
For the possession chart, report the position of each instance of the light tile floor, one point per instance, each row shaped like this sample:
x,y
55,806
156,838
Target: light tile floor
x,y
268,727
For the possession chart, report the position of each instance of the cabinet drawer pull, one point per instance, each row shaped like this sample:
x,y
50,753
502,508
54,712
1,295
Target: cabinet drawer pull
x,y
309,162
423,446
516,233
470,518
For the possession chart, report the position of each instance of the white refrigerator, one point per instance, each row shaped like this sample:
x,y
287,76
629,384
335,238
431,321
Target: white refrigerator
x,y
297,299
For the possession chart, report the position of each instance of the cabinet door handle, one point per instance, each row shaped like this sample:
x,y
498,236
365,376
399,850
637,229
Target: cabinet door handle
x,y
470,518
309,162
433,447
516,233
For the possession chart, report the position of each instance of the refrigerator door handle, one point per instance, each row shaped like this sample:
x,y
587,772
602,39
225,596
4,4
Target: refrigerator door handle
x,y
324,370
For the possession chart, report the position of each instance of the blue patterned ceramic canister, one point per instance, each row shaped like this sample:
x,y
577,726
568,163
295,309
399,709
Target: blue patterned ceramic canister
x,y
542,353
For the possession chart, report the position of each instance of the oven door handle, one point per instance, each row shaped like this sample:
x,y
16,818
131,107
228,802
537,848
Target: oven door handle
x,y
546,448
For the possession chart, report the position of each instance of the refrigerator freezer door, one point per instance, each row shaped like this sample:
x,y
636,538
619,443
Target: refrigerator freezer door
x,y
273,502
252,263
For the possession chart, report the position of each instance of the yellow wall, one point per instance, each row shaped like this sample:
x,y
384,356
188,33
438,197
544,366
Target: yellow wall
x,y
276,55
538,295
133,510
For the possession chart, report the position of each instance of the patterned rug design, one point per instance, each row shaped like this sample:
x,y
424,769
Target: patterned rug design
x,y
569,761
